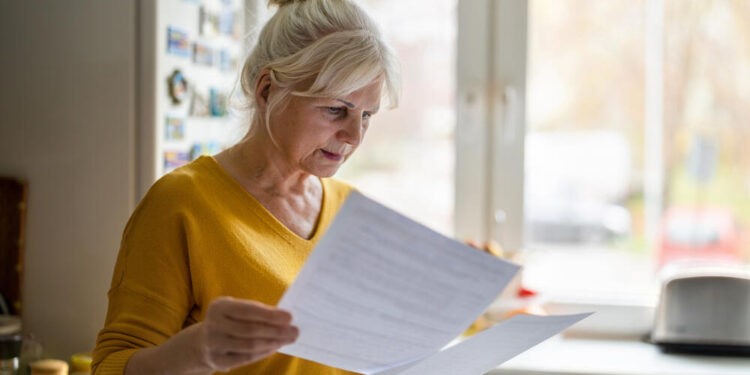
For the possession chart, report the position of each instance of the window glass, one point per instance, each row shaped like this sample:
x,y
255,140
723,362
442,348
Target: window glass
x,y
407,158
587,149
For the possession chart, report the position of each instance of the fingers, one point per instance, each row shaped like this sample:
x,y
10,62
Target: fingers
x,y
249,319
249,330
245,310
474,244
238,332
494,248
490,247
229,351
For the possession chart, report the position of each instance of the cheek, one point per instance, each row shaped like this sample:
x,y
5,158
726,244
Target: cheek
x,y
301,130
309,137
288,128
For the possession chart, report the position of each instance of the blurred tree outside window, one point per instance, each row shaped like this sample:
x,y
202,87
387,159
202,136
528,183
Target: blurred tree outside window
x,y
586,150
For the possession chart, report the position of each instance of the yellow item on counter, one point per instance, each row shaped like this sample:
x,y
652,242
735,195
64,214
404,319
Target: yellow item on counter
x,y
49,367
80,362
493,248
198,235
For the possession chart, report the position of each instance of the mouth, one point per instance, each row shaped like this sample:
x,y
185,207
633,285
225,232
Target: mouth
x,y
332,155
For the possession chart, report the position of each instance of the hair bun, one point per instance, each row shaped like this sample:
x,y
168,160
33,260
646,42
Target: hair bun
x,y
281,3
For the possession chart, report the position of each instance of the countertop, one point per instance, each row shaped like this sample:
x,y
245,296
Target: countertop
x,y
569,356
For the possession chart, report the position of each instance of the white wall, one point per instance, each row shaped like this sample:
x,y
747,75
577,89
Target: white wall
x,y
67,126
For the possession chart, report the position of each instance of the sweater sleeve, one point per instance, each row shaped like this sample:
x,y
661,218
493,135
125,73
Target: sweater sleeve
x,y
151,295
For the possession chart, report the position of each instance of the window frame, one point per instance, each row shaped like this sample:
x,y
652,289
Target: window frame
x,y
491,92
490,151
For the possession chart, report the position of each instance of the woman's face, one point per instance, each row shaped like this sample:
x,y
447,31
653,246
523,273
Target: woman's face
x,y
317,135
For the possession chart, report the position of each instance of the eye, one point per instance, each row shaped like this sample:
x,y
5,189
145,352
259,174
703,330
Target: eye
x,y
335,110
366,115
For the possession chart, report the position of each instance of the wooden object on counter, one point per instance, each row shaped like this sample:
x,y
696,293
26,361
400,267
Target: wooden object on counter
x,y
49,367
12,218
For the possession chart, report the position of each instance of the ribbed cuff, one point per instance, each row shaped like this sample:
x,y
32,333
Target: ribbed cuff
x,y
114,364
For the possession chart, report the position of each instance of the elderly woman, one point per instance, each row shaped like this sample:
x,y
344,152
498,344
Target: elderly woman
x,y
212,247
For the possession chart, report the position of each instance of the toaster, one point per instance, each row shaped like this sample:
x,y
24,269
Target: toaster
x,y
704,311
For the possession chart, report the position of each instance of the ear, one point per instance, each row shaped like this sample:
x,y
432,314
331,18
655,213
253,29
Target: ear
x,y
262,90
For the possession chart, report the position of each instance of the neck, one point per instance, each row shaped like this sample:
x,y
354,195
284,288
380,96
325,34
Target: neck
x,y
260,163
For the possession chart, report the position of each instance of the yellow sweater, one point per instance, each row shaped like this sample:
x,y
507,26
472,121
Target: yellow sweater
x,y
198,235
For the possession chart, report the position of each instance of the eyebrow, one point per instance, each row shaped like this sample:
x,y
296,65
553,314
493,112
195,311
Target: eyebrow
x,y
351,105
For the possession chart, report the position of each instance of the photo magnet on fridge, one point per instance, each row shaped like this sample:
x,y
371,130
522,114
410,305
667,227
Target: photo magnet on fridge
x,y
174,129
211,147
199,105
178,86
208,22
177,42
217,101
203,54
174,159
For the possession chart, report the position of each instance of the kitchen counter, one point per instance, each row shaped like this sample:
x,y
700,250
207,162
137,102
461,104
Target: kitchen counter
x,y
560,355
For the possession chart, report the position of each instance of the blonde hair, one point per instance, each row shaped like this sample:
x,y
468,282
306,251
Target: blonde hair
x,y
319,48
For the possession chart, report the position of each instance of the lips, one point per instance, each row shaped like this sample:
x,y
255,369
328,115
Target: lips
x,y
332,155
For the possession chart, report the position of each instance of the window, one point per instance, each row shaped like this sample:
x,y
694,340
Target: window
x,y
585,148
630,157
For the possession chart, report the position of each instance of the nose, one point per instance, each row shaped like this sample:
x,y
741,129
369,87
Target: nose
x,y
352,131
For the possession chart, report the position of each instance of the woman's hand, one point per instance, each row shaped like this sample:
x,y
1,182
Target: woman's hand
x,y
234,333
490,247
239,332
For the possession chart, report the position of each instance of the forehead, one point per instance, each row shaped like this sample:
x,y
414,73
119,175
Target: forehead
x,y
367,97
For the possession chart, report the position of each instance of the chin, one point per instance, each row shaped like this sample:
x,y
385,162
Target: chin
x,y
323,172
326,173
322,168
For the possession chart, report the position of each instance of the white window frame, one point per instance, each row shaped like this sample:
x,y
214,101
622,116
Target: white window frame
x,y
491,108
490,137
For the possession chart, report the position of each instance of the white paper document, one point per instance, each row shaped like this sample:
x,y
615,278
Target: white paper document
x,y
381,291
487,349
